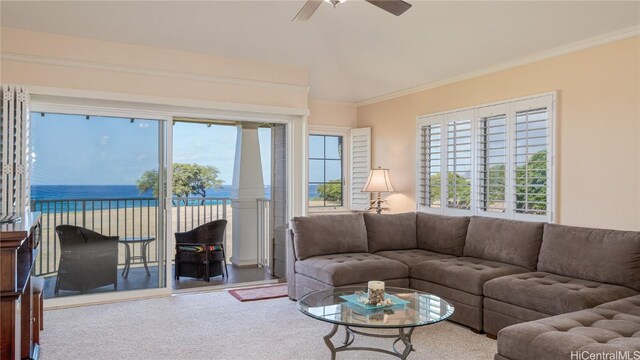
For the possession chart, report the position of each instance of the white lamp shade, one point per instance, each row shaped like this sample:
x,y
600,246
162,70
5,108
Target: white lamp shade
x,y
378,181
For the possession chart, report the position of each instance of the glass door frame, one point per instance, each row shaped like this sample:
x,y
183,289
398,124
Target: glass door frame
x,y
70,101
164,206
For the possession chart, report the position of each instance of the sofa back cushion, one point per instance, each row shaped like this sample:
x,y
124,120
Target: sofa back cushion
x,y
328,234
391,232
442,234
508,241
608,256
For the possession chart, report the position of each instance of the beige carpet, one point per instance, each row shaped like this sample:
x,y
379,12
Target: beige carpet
x,y
217,326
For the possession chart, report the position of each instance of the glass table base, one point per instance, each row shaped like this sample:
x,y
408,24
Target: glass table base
x,y
402,336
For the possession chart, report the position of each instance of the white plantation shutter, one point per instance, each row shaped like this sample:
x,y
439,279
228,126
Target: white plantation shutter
x,y
429,173
360,166
14,150
531,158
459,161
494,160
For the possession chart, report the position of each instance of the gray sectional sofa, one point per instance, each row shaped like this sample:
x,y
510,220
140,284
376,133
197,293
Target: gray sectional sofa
x,y
497,273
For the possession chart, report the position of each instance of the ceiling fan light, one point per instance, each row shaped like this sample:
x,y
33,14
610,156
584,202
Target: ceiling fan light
x,y
335,2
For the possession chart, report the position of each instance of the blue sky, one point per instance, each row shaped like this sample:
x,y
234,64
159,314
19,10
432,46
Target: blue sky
x,y
216,146
71,150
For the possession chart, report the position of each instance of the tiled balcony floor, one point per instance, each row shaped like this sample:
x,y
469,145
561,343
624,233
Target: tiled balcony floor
x,y
138,279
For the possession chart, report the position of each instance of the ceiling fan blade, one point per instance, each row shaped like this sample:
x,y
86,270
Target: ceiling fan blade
x,y
307,10
396,7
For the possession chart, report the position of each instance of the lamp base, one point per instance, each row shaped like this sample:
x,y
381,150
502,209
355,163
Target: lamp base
x,y
377,205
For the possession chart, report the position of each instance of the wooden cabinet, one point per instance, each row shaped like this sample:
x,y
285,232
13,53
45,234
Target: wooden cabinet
x,y
18,248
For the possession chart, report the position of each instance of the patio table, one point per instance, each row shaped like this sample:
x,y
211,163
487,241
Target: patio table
x,y
128,258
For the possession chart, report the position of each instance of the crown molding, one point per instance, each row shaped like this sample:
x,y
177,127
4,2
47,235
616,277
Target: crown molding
x,y
539,56
46,60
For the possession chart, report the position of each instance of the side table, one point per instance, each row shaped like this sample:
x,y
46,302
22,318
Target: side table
x,y
128,258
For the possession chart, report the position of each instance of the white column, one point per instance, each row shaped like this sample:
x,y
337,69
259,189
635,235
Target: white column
x,y
248,186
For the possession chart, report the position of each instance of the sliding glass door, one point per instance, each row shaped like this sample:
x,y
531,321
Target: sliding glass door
x,y
99,183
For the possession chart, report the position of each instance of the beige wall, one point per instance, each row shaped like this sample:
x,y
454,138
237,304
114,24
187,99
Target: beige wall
x,y
332,113
598,129
34,58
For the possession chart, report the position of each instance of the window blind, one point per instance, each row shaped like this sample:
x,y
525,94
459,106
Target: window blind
x,y
430,173
492,163
531,177
360,166
14,150
459,164
497,160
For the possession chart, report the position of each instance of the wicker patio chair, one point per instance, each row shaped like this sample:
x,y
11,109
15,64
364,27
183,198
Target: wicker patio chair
x,y
88,260
200,252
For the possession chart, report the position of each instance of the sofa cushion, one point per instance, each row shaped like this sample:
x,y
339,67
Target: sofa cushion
x,y
391,232
200,248
630,305
598,331
465,273
353,268
608,256
508,241
412,257
552,294
442,234
329,234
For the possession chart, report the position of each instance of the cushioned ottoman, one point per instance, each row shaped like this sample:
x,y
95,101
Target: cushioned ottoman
x,y
346,269
607,329
523,297
460,281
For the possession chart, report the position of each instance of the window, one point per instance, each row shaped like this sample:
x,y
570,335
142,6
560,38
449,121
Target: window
x,y
459,164
492,163
339,164
326,179
498,160
430,169
531,162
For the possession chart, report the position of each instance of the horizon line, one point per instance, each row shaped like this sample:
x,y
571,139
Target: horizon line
x,y
108,185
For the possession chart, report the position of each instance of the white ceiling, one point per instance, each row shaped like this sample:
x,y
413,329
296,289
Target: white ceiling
x,y
354,52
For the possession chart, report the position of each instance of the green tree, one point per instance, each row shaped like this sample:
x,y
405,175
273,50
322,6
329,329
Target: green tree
x,y
494,187
148,181
188,179
530,186
459,188
194,179
531,183
330,191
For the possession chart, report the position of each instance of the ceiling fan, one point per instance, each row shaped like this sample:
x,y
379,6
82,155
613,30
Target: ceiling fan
x,y
396,7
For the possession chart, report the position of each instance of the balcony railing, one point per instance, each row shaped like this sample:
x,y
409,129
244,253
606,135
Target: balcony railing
x,y
124,217
192,212
265,234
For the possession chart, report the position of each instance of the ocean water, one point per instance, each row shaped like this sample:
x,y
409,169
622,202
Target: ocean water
x,y
63,198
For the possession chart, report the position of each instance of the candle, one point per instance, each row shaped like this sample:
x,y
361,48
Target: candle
x,y
376,292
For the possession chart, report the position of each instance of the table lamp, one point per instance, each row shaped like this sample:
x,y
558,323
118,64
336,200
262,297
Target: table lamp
x,y
378,181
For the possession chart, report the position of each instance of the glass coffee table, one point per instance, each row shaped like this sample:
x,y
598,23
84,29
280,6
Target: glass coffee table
x,y
422,309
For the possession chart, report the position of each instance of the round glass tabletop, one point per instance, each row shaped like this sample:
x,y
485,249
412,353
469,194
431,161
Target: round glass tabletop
x,y
417,308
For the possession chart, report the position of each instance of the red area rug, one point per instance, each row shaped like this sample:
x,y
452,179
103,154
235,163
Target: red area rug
x,y
260,293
